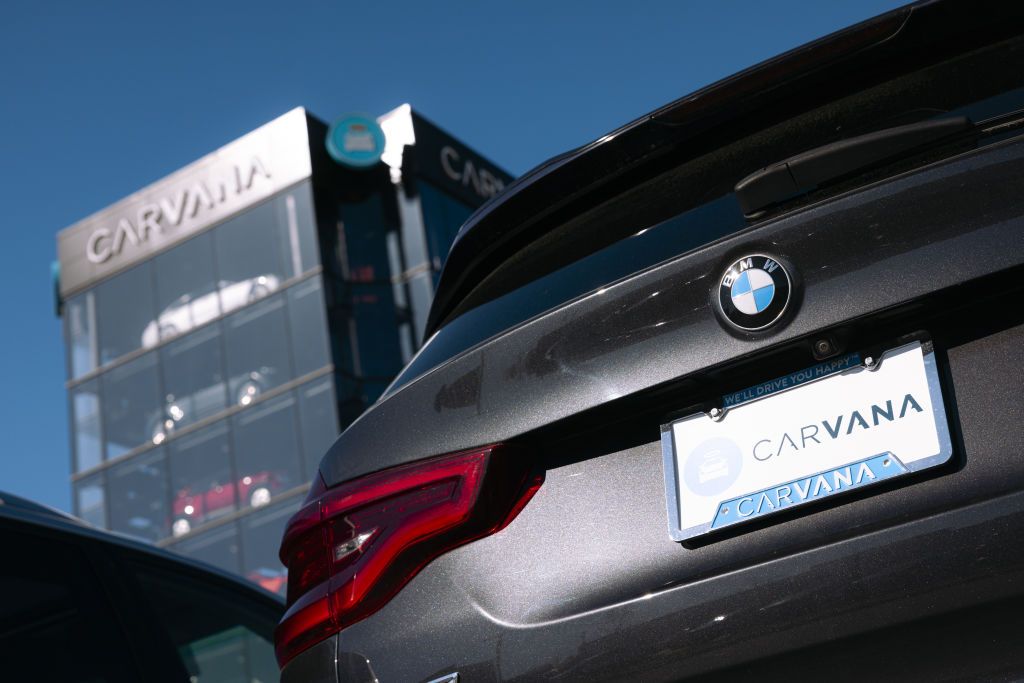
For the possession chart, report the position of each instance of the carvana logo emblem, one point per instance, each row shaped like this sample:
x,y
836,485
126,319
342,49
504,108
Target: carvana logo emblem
x,y
712,466
754,293
356,141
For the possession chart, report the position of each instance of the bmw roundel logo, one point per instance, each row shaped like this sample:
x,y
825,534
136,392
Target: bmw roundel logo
x,y
754,292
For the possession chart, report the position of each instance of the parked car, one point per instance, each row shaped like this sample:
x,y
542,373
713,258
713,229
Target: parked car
x,y
242,389
732,392
187,312
189,506
79,604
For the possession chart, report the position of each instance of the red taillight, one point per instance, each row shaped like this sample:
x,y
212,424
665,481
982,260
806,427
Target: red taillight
x,y
351,548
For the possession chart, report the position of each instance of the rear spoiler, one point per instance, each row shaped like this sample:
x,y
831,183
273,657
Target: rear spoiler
x,y
807,77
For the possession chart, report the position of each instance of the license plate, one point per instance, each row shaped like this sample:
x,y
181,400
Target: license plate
x,y
838,426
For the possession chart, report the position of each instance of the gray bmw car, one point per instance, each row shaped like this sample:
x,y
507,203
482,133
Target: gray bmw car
x,y
732,392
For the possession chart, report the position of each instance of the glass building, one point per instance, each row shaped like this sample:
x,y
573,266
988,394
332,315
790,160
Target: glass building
x,y
223,324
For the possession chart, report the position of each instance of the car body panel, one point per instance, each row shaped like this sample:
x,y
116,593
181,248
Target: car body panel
x,y
797,601
596,590
586,582
621,339
319,664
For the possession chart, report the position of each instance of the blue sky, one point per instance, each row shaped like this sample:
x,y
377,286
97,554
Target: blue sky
x,y
100,99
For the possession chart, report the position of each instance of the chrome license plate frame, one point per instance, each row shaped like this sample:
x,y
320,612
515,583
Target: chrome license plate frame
x,y
733,482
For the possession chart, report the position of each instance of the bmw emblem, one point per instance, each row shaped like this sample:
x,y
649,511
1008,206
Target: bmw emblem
x,y
754,293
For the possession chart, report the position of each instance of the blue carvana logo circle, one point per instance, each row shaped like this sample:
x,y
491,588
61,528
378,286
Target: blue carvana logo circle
x,y
712,466
356,141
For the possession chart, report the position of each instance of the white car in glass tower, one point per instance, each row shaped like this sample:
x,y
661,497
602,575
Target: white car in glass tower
x,y
187,312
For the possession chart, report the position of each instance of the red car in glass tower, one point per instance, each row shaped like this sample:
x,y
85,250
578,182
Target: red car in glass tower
x,y
191,506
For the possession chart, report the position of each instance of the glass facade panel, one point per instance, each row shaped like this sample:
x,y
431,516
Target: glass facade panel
x,y
131,406
306,313
421,292
80,321
351,400
86,440
319,424
302,227
355,396
194,386
365,233
253,254
126,313
412,244
241,261
137,494
218,547
443,216
186,287
256,341
372,391
90,500
266,450
202,483
373,332
261,539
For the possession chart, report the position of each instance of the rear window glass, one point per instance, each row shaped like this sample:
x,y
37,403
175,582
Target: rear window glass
x,y
648,245
693,204
218,635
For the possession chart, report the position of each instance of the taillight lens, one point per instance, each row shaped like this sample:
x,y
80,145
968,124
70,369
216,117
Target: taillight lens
x,y
352,548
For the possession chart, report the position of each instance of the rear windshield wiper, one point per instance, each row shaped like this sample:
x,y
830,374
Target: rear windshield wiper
x,y
813,168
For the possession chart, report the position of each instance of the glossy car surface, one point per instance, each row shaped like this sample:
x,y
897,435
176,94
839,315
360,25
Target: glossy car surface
x,y
575,317
79,604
